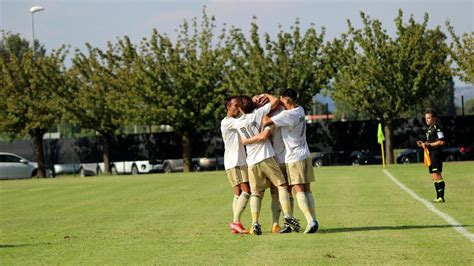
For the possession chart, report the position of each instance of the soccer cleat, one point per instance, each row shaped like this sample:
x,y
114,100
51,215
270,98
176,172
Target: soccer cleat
x,y
312,227
438,200
287,229
293,223
276,228
238,228
256,229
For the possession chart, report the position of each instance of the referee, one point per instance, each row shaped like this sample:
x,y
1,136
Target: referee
x,y
434,142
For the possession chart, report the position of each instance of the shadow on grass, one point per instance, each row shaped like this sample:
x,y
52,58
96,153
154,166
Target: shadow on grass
x,y
22,245
14,245
381,228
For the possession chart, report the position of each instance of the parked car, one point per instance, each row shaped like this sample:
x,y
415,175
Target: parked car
x,y
410,156
360,157
467,153
320,159
197,164
449,154
152,166
13,166
60,169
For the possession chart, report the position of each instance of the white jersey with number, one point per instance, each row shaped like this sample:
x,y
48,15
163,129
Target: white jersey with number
x,y
249,125
293,129
234,151
277,139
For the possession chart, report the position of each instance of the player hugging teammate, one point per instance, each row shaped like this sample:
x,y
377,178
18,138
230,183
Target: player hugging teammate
x,y
254,126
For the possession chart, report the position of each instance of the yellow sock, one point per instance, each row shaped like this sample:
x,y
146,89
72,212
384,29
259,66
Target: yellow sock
x,y
292,204
240,206
311,203
276,209
255,207
284,197
234,204
303,203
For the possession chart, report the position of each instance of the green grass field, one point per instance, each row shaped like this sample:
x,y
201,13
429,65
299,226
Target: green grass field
x,y
183,219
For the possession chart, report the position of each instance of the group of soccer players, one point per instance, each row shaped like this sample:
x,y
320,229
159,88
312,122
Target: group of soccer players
x,y
265,147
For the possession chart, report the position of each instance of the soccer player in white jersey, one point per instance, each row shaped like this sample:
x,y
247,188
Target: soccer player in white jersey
x,y
235,165
262,165
277,142
297,158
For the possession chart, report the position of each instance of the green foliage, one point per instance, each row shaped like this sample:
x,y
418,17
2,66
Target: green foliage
x,y
182,81
102,90
32,86
293,60
385,77
101,97
462,51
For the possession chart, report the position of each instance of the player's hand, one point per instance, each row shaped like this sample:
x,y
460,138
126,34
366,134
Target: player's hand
x,y
419,143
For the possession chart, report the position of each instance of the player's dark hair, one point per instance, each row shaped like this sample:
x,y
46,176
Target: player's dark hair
x,y
246,104
432,112
290,93
227,101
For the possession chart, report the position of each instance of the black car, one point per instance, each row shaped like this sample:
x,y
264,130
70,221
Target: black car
x,y
361,157
449,154
357,157
410,156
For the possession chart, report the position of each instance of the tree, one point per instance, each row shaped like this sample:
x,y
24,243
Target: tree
x,y
32,86
101,95
293,60
462,51
182,82
386,76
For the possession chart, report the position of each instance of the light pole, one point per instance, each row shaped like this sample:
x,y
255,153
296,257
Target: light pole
x,y
33,10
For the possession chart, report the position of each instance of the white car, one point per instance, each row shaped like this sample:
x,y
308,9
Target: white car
x,y
13,166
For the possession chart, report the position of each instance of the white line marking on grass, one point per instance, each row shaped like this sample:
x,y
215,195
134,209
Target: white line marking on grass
x,y
455,224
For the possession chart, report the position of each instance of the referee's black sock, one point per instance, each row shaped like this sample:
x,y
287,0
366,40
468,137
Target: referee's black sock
x,y
437,188
441,186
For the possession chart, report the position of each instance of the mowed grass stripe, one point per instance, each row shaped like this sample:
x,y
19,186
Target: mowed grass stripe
x,y
450,220
183,219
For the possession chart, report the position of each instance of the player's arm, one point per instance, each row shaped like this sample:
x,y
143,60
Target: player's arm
x,y
274,101
257,138
267,121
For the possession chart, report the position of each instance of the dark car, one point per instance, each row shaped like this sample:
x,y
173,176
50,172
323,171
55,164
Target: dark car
x,y
467,153
320,159
449,154
410,156
361,157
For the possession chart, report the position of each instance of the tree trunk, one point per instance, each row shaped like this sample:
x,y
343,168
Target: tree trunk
x,y
39,154
106,152
186,151
388,130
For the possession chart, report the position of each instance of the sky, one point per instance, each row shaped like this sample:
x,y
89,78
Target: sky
x,y
76,22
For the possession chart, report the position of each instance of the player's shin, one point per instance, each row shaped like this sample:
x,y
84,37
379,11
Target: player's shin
x,y
303,203
284,198
255,202
240,205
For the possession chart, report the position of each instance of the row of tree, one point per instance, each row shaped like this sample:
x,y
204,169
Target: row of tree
x,y
182,83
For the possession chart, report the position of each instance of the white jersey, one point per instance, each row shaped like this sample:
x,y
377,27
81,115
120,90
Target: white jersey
x,y
234,151
293,130
249,125
277,140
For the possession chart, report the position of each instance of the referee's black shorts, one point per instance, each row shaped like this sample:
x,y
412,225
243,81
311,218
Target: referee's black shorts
x,y
436,157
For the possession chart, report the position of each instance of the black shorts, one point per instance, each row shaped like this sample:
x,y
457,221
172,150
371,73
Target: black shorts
x,y
436,157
